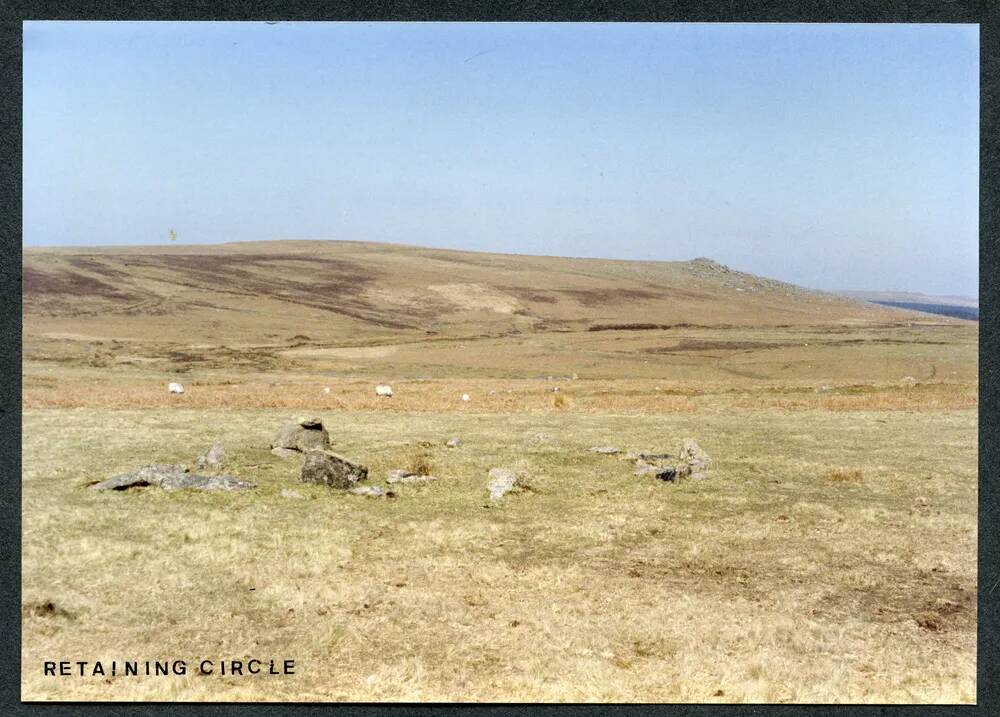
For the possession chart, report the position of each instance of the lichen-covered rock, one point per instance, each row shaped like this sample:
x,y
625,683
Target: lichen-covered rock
x,y
305,434
194,481
141,477
502,481
212,458
171,477
696,459
331,470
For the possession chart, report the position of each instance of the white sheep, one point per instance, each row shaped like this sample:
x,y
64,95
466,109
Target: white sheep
x,y
465,397
175,387
383,390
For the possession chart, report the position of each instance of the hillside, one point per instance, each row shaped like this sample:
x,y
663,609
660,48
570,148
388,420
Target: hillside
x,y
354,293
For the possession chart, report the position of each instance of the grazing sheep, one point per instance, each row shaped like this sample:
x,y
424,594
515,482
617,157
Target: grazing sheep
x,y
383,390
326,389
465,397
175,387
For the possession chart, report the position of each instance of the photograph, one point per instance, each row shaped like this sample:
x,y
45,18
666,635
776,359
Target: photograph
x,y
499,362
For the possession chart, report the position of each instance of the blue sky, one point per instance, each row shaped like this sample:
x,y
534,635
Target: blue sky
x,y
832,156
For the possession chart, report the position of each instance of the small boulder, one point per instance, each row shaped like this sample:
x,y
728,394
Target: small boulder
x,y
607,450
696,459
331,470
453,442
293,494
305,434
212,458
502,481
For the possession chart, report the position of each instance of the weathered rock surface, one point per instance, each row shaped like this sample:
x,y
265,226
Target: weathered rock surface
x,y
212,458
285,452
171,477
400,476
305,434
369,491
607,450
200,482
293,494
695,458
502,481
331,470
141,477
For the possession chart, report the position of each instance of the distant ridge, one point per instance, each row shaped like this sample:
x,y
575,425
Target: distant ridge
x,y
337,291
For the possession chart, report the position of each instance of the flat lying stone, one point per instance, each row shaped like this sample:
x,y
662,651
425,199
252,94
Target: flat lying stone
x,y
294,494
401,476
198,482
642,456
141,477
285,452
370,491
607,450
331,470
171,477
502,481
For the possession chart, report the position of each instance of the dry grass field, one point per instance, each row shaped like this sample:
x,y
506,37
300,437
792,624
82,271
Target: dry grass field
x,y
829,556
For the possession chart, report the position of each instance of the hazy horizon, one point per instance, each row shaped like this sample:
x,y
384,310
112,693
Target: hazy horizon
x,y
831,156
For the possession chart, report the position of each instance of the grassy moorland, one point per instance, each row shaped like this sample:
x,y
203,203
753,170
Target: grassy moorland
x,y
830,555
